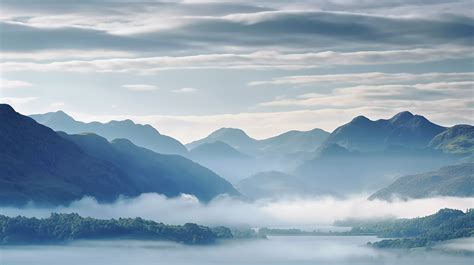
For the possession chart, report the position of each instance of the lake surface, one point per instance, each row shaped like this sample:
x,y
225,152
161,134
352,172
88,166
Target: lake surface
x,y
287,250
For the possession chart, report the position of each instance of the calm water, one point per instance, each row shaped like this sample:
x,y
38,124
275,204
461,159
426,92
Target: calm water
x,y
288,250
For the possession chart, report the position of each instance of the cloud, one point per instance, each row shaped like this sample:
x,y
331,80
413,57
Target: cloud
x,y
11,84
185,90
52,55
17,101
366,78
227,211
379,95
140,87
177,31
259,60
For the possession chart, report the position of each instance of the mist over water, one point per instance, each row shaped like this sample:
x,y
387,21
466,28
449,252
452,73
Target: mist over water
x,y
275,250
299,212
287,212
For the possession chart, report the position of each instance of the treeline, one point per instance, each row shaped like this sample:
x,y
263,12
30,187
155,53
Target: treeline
x,y
60,228
446,224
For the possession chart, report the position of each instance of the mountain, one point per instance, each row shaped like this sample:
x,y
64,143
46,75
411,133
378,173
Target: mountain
x,y
224,160
215,150
141,135
274,184
458,140
403,129
40,165
170,175
286,143
457,181
339,169
236,138
294,141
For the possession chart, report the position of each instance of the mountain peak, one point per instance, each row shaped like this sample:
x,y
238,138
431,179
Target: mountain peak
x,y
229,132
61,114
6,108
403,116
360,119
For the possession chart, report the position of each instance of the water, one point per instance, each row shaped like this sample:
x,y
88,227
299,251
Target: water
x,y
287,250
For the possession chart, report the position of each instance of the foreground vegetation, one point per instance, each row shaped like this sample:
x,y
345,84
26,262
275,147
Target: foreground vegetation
x,y
59,228
426,231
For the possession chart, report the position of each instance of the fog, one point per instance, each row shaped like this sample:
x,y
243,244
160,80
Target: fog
x,y
295,211
275,250
287,250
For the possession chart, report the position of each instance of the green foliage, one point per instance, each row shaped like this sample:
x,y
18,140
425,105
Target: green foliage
x,y
446,224
66,227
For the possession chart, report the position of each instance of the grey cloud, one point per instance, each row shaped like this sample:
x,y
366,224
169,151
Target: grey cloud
x,y
16,37
284,30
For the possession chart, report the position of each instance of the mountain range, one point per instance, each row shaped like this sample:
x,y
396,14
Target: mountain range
x,y
458,140
403,129
455,180
141,135
45,167
285,143
106,160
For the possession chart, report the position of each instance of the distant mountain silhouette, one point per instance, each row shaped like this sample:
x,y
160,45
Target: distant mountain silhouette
x,y
170,175
141,135
275,184
336,168
403,129
458,140
294,141
286,143
224,160
217,150
457,181
236,138
280,153
40,165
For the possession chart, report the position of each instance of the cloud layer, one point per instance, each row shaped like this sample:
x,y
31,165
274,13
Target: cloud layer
x,y
296,212
280,64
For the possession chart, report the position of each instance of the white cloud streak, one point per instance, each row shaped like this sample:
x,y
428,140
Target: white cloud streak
x,y
12,84
380,95
365,78
261,60
185,90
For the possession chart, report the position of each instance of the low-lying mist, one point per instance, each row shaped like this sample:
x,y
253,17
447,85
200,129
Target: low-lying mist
x,y
276,250
296,211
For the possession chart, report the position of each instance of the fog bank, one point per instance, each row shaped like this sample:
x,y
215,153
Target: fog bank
x,y
230,211
276,250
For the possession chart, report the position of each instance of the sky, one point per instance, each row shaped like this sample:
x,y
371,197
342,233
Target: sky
x,y
191,67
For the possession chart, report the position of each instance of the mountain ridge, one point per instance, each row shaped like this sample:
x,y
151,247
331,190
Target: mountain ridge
x,y
143,135
53,168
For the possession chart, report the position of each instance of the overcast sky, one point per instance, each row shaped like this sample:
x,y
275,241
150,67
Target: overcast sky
x,y
191,67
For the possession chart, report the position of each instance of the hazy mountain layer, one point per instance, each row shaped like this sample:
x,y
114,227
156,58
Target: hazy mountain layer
x,y
274,184
340,170
43,166
404,129
457,181
458,140
286,143
152,172
38,165
141,135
